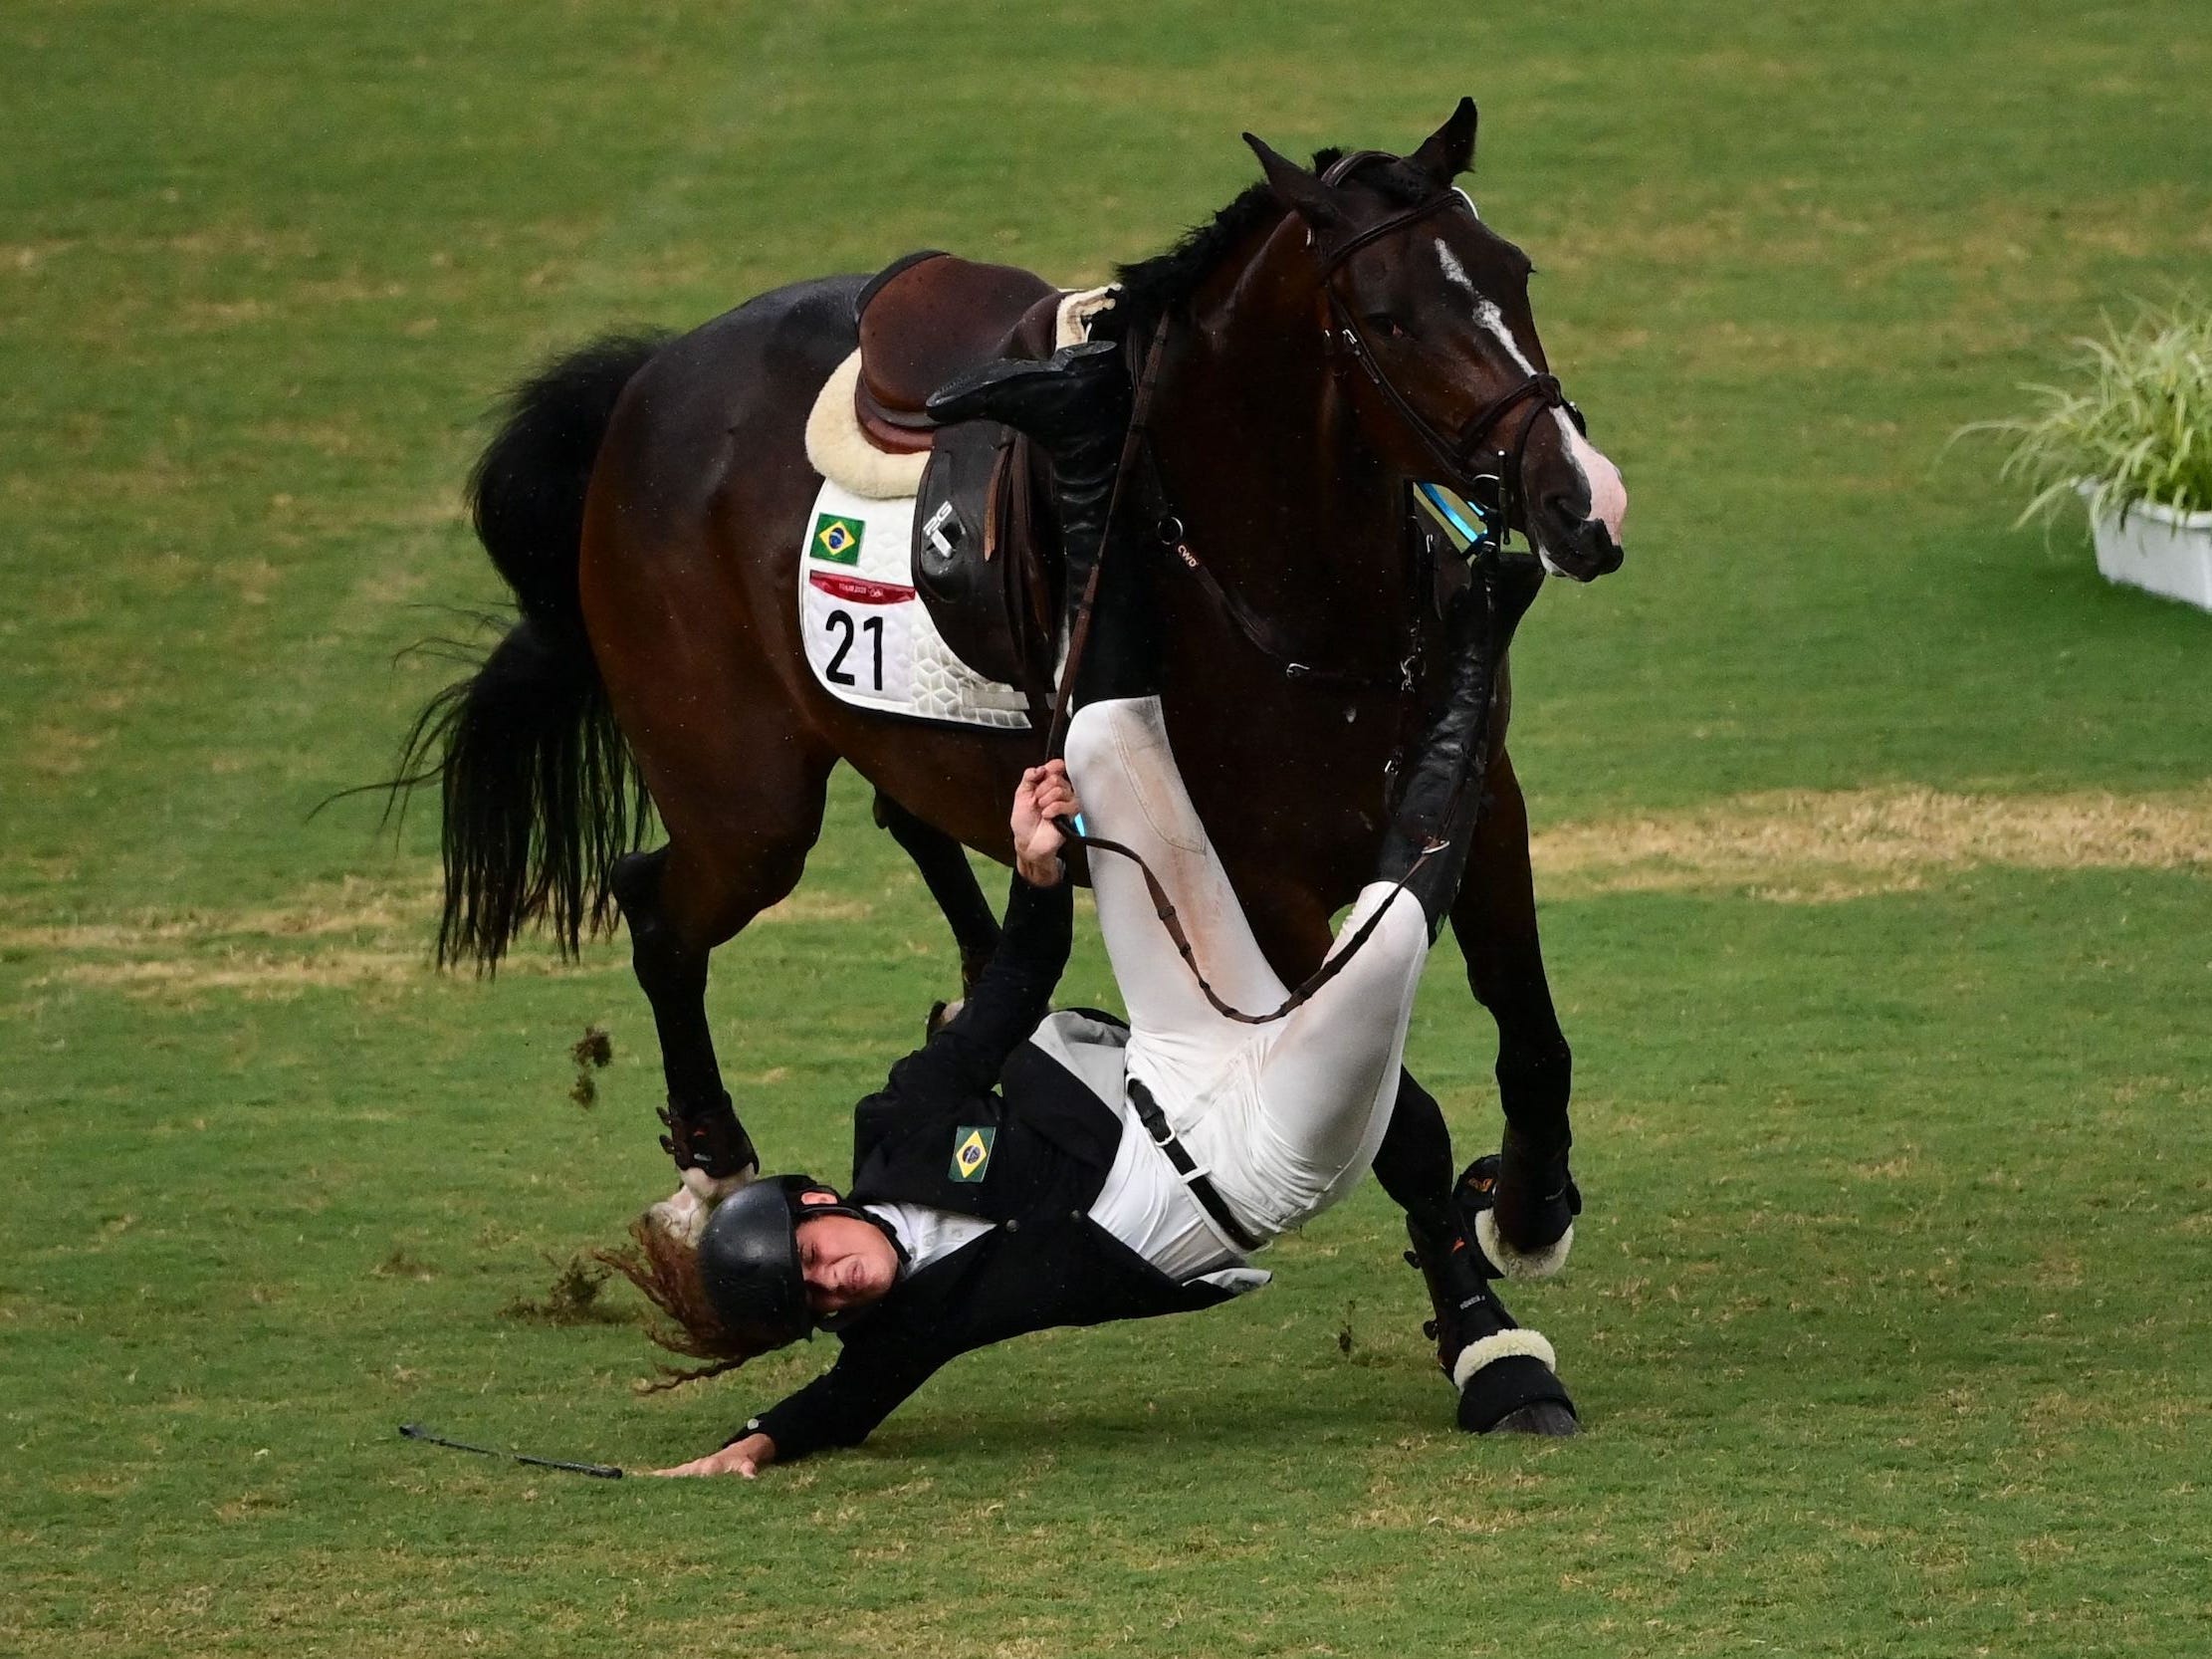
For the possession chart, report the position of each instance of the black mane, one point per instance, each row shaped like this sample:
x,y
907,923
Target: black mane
x,y
1151,287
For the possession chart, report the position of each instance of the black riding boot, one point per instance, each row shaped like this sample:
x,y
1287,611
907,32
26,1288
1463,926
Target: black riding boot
x,y
1432,828
1075,405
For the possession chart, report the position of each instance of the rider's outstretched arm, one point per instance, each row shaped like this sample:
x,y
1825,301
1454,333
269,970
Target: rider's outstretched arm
x,y
843,1405
1015,992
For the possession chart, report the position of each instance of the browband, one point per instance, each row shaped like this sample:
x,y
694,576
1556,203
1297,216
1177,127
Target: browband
x,y
1342,169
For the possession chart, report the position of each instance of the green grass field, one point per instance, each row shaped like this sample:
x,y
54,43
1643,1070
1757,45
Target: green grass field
x,y
1873,838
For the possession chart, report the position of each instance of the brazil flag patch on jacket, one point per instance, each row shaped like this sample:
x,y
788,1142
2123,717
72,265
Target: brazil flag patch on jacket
x,y
970,1152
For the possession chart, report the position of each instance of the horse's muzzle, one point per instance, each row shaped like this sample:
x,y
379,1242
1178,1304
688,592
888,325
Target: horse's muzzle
x,y
1580,549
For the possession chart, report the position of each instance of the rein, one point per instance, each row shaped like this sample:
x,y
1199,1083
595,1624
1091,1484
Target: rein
x,y
1505,613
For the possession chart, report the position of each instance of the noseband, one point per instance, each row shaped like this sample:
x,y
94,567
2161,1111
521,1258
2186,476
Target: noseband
x,y
1489,477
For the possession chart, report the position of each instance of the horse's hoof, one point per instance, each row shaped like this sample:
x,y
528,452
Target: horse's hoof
x,y
1507,1384
1543,1417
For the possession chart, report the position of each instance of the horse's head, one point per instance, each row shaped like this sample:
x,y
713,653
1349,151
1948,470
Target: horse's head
x,y
1425,309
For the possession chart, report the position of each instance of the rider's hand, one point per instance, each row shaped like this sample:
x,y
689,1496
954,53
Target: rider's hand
x,y
1045,796
747,1457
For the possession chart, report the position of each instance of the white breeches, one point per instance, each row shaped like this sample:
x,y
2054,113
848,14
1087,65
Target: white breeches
x,y
1284,1117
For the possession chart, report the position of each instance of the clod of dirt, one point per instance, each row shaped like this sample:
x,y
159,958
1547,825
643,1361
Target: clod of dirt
x,y
571,1298
593,1051
400,1264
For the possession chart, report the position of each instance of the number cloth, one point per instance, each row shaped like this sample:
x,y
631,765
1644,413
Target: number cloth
x,y
870,640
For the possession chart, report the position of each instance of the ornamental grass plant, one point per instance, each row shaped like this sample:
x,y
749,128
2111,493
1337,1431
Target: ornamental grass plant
x,y
2136,427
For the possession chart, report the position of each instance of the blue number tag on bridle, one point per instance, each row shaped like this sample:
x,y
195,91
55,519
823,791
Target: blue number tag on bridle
x,y
1468,520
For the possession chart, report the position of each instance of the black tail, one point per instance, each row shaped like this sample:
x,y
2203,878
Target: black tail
x,y
540,789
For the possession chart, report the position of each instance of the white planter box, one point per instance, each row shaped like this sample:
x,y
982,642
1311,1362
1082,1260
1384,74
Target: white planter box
x,y
2157,549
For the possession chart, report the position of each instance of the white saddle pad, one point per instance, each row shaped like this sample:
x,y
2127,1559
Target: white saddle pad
x,y
869,639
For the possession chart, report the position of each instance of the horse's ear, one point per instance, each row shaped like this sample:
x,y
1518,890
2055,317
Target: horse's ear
x,y
1446,153
1298,190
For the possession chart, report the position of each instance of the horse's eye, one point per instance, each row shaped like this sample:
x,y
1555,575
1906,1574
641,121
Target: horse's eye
x,y
1387,324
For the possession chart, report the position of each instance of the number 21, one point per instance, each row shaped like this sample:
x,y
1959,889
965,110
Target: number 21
x,y
834,672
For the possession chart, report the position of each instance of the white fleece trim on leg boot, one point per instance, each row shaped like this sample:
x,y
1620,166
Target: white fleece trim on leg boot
x,y
841,452
683,1214
1502,1344
1521,1263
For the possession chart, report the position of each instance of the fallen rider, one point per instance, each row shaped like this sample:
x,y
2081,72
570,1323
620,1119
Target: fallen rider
x,y
1024,1169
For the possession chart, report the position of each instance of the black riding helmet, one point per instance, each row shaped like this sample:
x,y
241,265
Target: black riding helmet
x,y
748,1256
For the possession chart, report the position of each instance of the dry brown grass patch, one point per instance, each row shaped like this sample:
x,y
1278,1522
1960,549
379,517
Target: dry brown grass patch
x,y
253,974
1814,847
352,934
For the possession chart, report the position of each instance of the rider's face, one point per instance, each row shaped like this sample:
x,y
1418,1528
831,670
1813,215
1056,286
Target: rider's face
x,y
847,1263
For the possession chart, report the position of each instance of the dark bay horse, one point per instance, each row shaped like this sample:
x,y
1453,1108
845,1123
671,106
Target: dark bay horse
x,y
647,500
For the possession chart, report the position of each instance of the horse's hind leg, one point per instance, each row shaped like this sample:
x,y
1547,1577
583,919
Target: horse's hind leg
x,y
1529,1226
738,836
951,881
703,1132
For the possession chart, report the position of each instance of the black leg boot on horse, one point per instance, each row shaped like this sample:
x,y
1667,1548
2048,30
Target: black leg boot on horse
x,y
1504,1374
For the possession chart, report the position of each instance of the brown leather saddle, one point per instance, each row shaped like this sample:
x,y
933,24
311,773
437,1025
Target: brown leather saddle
x,y
986,546
928,317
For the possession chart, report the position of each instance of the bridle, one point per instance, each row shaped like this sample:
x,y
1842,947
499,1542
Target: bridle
x,y
1489,478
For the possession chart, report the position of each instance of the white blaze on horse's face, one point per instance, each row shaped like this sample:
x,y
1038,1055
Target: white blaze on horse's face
x,y
1454,272
1609,496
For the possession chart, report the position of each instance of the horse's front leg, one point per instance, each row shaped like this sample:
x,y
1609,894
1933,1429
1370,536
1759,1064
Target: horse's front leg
x,y
945,871
1529,1226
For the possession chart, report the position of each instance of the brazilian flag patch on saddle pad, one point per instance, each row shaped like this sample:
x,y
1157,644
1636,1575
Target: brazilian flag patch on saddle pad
x,y
837,538
970,1152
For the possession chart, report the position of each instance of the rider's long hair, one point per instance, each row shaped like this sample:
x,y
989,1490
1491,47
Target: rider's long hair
x,y
665,1269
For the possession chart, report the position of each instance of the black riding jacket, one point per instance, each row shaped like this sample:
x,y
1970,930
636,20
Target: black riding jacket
x,y
1047,1143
